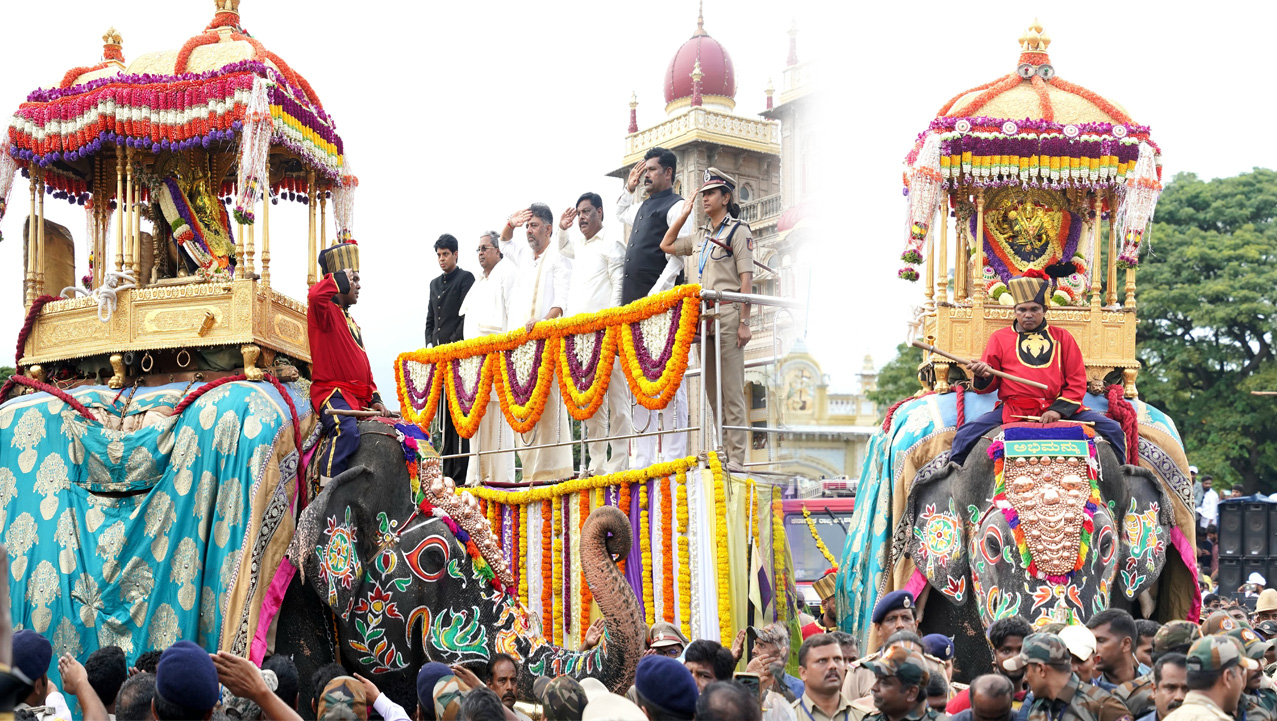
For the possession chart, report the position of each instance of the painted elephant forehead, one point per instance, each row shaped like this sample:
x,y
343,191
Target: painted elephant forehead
x,y
1049,495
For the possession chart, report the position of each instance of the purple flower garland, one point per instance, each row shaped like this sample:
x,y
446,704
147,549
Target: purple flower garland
x,y
419,397
652,368
583,377
522,392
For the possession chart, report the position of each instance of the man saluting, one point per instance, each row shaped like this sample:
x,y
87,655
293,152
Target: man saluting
x,y
341,377
1031,349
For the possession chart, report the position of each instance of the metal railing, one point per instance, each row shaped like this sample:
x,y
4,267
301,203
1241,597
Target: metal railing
x,y
709,430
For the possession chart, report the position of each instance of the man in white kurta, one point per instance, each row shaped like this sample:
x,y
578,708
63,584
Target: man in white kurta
x,y
598,264
484,309
540,293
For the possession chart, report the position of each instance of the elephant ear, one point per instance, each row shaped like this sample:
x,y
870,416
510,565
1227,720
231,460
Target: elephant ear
x,y
1147,518
938,537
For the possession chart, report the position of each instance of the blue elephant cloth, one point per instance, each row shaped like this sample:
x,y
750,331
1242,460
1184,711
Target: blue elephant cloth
x,y
179,549
916,445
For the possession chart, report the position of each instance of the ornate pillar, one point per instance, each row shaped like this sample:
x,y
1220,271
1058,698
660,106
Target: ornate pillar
x,y
29,296
119,208
266,235
38,259
942,253
312,257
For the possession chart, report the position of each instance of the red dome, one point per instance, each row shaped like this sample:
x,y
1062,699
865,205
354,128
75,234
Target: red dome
x,y
716,65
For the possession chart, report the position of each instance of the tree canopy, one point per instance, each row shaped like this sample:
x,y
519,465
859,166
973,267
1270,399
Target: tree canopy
x,y
1207,314
898,379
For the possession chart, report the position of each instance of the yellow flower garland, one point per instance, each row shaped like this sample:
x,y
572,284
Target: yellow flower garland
x,y
557,564
615,320
645,556
779,539
820,545
684,557
468,424
576,485
584,404
723,574
521,522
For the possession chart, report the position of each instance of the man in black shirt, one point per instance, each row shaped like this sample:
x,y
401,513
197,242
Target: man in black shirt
x,y
444,325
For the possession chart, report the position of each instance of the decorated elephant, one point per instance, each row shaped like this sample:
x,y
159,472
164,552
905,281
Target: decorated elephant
x,y
412,576
1040,522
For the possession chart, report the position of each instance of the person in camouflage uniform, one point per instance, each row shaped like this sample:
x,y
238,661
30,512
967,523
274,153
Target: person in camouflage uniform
x,y
1058,693
1259,700
1217,670
1174,637
562,697
899,690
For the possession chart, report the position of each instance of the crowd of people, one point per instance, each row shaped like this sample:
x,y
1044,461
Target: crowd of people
x,y
1113,668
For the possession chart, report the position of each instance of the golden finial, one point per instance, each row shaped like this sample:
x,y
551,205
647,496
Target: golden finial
x,y
113,46
696,71
112,37
700,19
633,100
227,6
1034,40
770,90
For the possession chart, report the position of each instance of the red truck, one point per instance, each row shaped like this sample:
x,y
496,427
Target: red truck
x,y
832,517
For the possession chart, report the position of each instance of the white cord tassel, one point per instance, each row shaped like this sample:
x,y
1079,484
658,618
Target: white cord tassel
x,y
254,151
113,282
344,203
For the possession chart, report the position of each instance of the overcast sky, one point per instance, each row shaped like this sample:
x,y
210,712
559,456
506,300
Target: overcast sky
x,y
454,115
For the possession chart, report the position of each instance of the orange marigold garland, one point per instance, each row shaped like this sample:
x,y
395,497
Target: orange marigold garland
x,y
523,417
584,402
667,550
645,556
684,557
467,423
656,380
547,579
623,501
557,565
586,596
419,387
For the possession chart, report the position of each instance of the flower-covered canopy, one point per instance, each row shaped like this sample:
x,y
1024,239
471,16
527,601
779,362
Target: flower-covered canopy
x,y
1032,129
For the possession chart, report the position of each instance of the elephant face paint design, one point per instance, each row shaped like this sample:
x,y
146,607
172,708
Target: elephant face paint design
x,y
338,559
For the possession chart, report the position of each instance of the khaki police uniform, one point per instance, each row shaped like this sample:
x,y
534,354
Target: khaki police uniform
x,y
720,269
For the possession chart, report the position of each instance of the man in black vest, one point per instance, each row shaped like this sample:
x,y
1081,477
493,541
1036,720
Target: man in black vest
x,y
444,324
649,270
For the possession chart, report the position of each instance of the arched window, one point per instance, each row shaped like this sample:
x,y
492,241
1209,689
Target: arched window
x,y
745,193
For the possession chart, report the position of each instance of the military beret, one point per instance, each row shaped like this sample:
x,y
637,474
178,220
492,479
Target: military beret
x,y
1175,634
1216,653
1044,648
908,666
32,654
891,602
186,676
667,683
938,645
563,697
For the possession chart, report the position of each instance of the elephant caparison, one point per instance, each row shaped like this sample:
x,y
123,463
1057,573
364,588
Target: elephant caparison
x,y
962,540
402,589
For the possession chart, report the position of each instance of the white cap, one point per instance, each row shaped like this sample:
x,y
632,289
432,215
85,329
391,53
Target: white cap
x,y
593,688
1256,578
1080,640
1192,469
611,707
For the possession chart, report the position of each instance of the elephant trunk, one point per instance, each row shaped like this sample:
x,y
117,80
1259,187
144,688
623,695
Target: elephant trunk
x,y
605,535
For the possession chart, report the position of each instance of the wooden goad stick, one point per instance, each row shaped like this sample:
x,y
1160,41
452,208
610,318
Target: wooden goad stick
x,y
967,361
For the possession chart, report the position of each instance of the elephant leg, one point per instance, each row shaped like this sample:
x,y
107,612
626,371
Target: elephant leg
x,y
962,622
304,631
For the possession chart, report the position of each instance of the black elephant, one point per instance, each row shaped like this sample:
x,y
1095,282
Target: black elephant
x,y
404,590
1035,535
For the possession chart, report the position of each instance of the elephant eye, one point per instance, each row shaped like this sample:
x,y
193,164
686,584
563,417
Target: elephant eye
x,y
1107,544
992,545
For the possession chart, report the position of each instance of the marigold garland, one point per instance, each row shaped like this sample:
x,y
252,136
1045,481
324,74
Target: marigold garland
x,y
645,556
586,596
523,418
420,404
584,403
667,549
684,557
820,545
623,502
467,424
547,562
655,394
557,565
779,539
720,541
521,543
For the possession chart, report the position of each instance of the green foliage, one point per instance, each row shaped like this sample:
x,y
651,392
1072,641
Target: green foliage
x,y
898,379
5,372
1207,315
